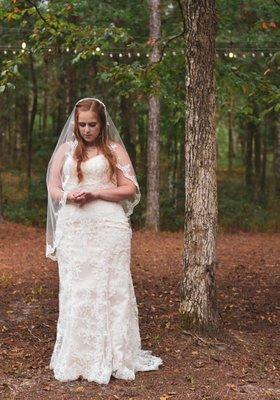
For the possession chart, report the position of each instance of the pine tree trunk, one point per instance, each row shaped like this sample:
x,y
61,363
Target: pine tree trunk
x,y
230,135
249,132
263,163
128,126
152,211
277,155
257,150
32,120
199,304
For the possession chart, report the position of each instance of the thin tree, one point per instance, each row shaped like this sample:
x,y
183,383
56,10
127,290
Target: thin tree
x,y
199,305
277,155
152,209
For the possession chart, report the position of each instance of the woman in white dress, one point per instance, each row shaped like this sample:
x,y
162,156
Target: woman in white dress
x,y
92,190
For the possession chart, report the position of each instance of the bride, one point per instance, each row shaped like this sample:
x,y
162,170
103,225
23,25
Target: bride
x,y
92,190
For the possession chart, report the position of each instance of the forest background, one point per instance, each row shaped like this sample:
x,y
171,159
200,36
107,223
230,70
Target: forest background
x,y
58,52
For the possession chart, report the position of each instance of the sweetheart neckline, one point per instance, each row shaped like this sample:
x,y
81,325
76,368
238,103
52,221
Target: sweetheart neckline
x,y
98,155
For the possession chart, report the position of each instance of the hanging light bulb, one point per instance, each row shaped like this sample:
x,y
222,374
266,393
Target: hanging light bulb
x,y
230,55
67,49
120,55
138,54
23,45
129,55
111,55
97,49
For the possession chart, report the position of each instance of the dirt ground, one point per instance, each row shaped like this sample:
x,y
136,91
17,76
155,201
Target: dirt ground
x,y
244,365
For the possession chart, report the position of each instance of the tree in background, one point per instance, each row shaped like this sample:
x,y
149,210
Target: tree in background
x,y
152,208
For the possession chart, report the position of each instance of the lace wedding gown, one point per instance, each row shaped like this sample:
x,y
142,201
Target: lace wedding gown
x,y
97,328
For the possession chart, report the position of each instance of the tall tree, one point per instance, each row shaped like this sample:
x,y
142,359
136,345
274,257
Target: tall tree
x,y
199,305
152,212
277,155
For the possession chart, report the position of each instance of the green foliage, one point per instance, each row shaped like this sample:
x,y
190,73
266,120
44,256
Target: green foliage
x,y
237,212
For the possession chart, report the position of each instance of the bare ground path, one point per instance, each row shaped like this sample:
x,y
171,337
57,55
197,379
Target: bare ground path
x,y
245,367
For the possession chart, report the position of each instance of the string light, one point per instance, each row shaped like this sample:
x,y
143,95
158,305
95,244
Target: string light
x,y
121,55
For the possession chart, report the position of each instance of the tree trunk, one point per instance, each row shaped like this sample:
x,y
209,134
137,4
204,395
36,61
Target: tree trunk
x,y
249,132
257,150
263,163
152,211
277,155
32,120
128,126
2,129
199,303
230,135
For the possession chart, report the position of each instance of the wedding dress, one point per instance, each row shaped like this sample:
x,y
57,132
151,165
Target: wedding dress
x,y
97,329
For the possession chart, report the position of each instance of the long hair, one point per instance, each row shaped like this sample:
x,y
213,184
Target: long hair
x,y
102,140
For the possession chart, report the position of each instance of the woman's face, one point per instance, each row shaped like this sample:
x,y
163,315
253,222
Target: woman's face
x,y
89,125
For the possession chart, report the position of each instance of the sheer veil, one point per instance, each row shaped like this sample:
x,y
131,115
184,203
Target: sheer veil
x,y
56,177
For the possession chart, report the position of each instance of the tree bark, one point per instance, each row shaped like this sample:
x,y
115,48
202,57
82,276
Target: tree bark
x,y
129,126
152,209
199,303
277,155
32,120
263,163
249,132
230,134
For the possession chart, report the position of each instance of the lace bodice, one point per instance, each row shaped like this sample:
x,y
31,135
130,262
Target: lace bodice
x,y
95,171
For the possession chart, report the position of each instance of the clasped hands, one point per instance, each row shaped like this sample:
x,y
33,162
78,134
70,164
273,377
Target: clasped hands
x,y
82,197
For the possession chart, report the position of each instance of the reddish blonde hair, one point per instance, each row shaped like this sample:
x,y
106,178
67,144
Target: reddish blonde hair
x,y
102,140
